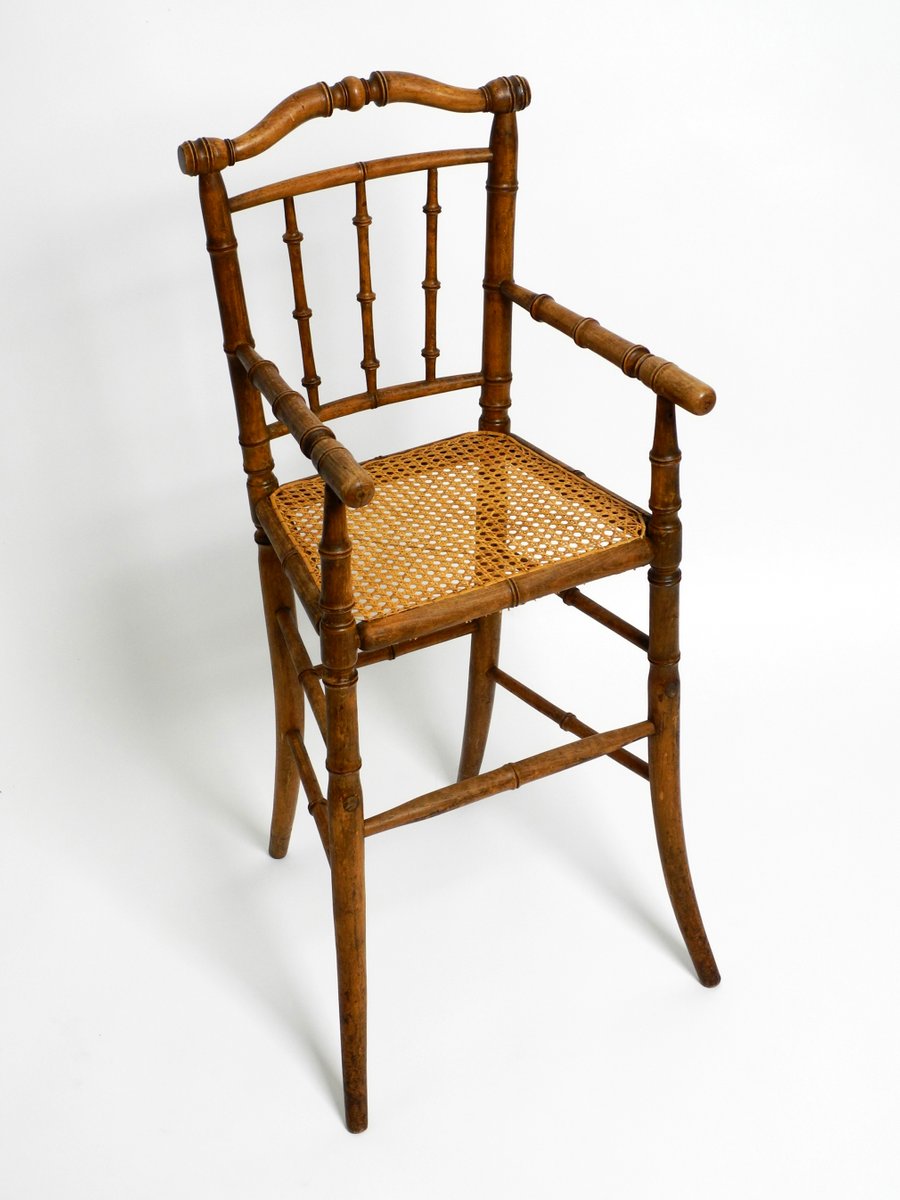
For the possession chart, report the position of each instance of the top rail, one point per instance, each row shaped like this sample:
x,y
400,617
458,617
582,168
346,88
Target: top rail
x,y
376,168
508,93
661,376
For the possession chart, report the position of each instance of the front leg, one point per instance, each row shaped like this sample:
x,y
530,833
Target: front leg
x,y
664,531
345,808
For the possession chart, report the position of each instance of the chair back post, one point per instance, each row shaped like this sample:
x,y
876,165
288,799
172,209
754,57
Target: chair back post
x,y
252,432
502,186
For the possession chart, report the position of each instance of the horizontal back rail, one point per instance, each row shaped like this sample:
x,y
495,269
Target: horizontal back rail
x,y
506,94
394,394
398,392
376,168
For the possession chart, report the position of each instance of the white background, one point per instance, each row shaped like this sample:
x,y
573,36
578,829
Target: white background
x,y
718,180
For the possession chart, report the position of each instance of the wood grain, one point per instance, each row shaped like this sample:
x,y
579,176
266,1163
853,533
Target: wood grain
x,y
656,373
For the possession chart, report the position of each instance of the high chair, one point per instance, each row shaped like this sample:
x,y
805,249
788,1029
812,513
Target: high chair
x,y
433,543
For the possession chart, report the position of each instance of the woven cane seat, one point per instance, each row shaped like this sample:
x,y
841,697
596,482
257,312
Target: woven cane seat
x,y
456,516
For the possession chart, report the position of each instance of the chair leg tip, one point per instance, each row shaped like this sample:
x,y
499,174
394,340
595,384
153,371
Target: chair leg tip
x,y
278,846
357,1116
709,975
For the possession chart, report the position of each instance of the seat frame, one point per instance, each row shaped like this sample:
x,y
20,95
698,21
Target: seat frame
x,y
346,644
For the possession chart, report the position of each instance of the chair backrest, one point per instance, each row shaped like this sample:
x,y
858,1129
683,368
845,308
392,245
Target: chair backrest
x,y
208,157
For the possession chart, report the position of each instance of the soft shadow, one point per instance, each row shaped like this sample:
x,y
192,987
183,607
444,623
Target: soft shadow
x,y
238,933
183,645
413,695
553,827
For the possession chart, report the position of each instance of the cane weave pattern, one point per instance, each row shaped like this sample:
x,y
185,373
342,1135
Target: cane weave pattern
x,y
457,515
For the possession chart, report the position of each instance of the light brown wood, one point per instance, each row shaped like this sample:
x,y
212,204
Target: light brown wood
x,y
388,653
611,620
482,682
334,462
375,168
318,808
567,721
302,312
365,295
307,675
504,95
398,392
664,689
345,806
505,778
431,283
499,596
657,373
273,531
478,523
502,185
278,598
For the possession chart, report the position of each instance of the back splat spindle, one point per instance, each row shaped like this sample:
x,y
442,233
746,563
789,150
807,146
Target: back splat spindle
x,y
302,312
366,296
431,283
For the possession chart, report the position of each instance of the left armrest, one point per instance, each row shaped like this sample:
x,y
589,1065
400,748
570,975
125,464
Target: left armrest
x,y
661,376
350,482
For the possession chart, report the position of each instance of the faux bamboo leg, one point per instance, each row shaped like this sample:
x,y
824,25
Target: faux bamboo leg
x,y
348,890
345,809
483,656
277,593
664,692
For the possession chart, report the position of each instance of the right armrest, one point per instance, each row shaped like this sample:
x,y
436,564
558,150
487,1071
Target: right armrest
x,y
662,377
347,479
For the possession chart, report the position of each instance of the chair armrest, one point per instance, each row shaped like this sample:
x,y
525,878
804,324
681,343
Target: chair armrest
x,y
347,479
660,376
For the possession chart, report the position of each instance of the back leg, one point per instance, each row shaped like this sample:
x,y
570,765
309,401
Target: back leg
x,y
483,656
278,594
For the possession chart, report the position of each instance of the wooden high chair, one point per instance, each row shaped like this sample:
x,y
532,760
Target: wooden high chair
x,y
433,543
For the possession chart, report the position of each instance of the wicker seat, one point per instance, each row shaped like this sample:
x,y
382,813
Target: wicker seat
x,y
461,520
434,543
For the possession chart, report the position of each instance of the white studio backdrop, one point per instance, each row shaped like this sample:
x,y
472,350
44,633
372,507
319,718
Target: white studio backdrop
x,y
718,181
